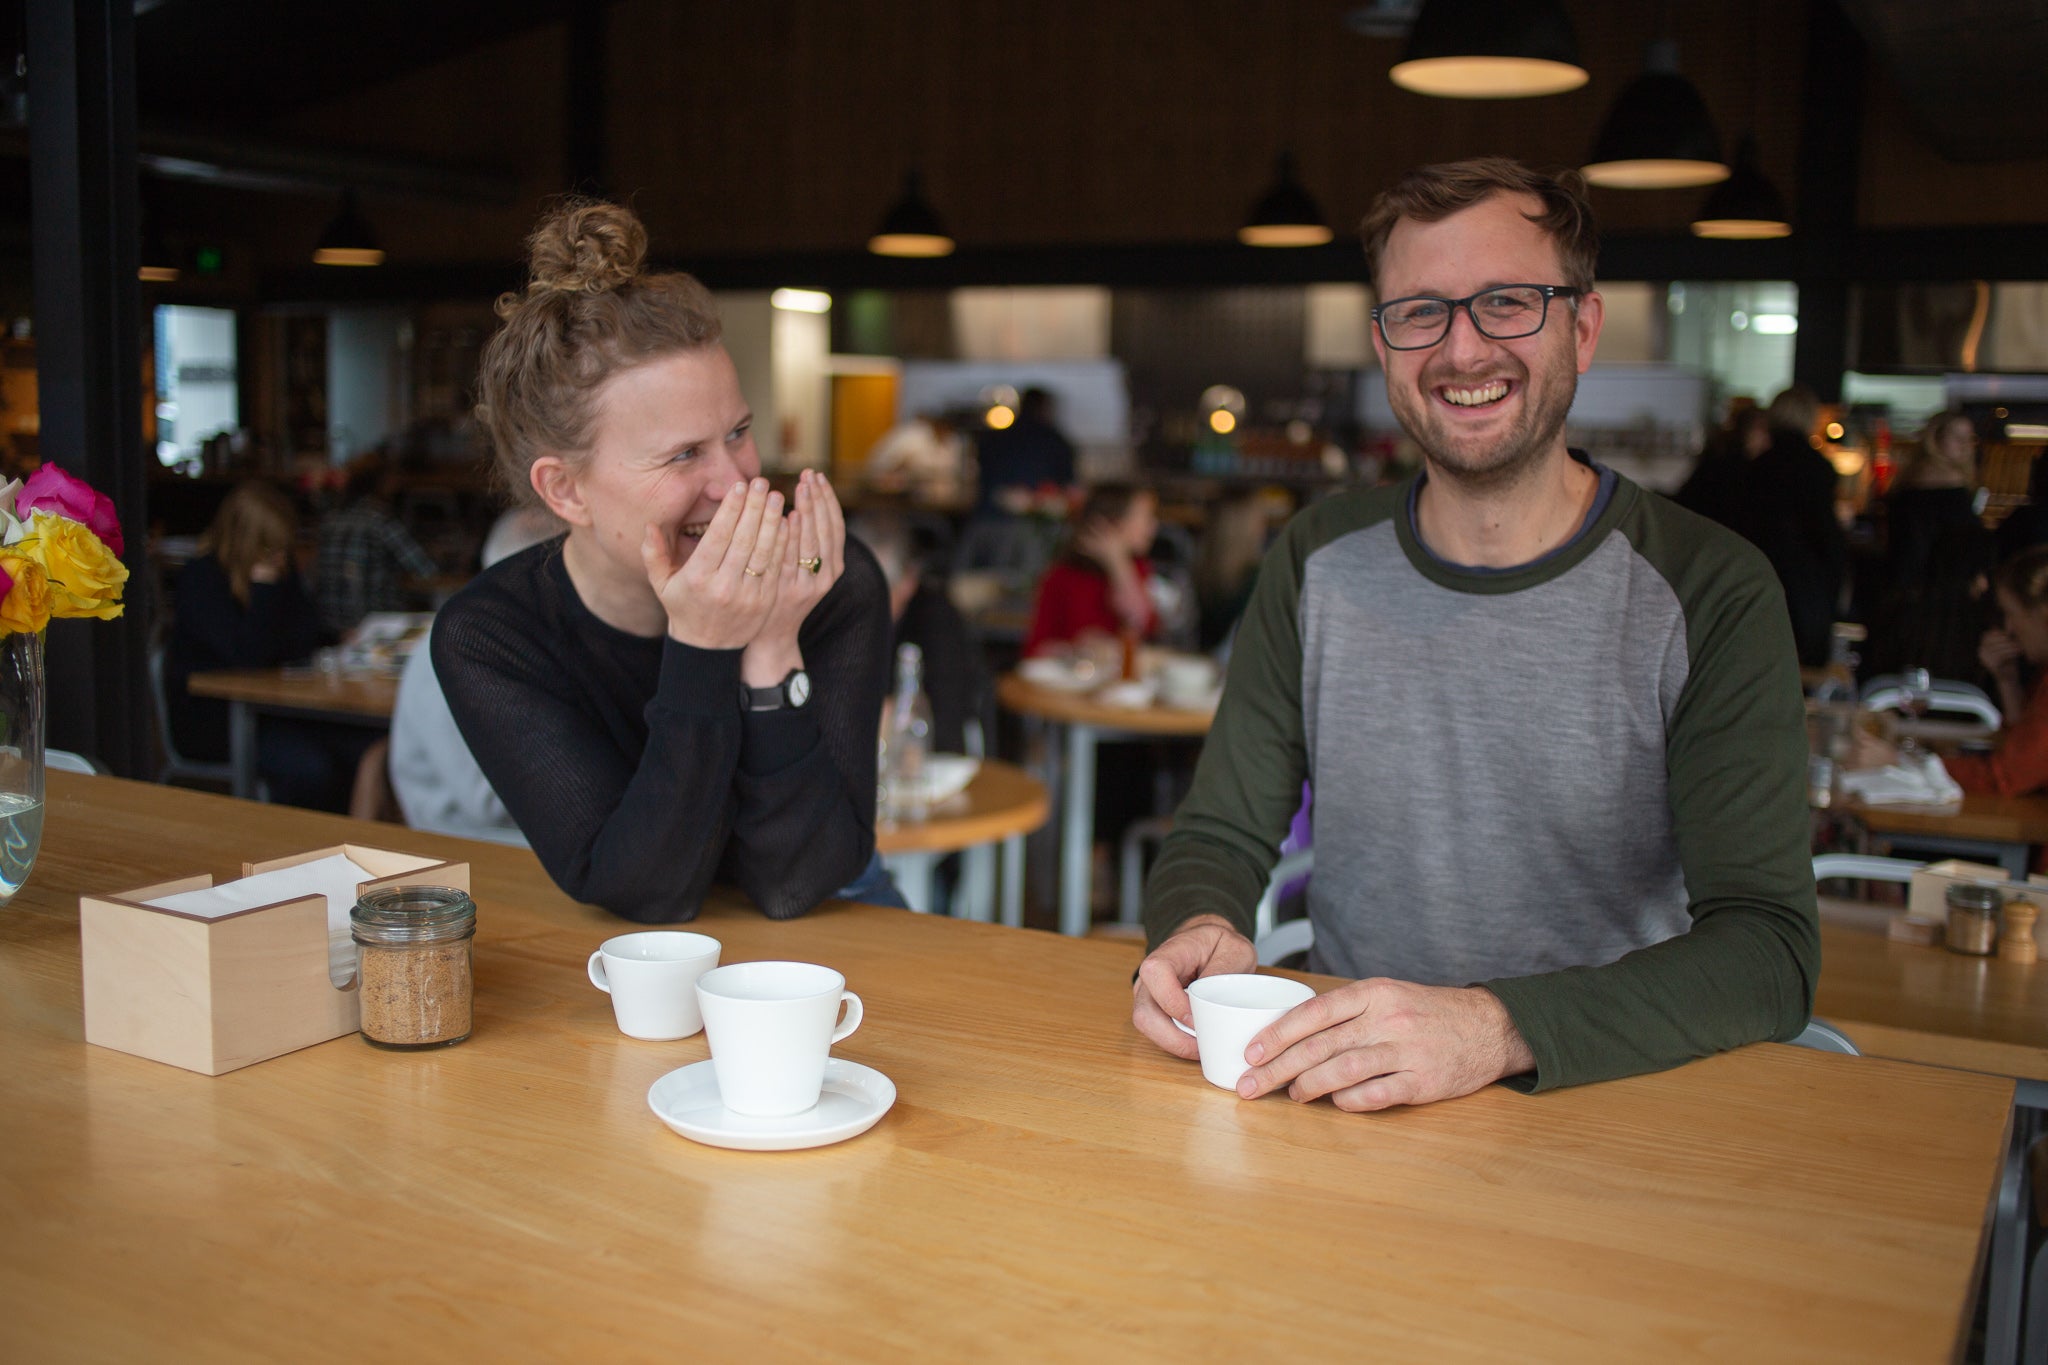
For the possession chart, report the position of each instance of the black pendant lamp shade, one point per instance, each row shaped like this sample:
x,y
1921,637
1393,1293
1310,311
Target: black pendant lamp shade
x,y
1746,205
911,227
1490,50
1658,135
1286,215
348,239
157,265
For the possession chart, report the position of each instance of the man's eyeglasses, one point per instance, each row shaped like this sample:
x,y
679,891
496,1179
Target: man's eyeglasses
x,y
1501,313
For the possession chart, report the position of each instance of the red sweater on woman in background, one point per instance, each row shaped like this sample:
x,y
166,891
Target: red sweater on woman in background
x,y
2019,764
1073,598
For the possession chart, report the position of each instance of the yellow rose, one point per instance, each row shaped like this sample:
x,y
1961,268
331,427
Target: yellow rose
x,y
26,607
85,577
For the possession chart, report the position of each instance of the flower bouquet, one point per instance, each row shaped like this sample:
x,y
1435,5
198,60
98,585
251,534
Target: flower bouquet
x,y
60,547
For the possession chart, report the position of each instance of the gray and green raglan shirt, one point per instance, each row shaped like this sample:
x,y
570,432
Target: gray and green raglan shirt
x,y
1580,783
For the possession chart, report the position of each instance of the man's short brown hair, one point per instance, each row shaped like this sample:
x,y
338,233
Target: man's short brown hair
x,y
1430,194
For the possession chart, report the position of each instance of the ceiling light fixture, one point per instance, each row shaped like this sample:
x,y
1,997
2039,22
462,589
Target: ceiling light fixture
x,y
1287,214
1490,50
911,227
801,300
1658,134
348,239
1745,206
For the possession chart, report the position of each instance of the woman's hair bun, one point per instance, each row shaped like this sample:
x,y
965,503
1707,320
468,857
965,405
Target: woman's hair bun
x,y
586,246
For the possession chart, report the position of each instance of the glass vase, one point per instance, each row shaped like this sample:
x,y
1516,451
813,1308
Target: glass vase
x,y
21,758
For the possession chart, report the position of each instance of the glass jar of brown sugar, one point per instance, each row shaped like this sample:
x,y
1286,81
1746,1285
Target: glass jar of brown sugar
x,y
413,965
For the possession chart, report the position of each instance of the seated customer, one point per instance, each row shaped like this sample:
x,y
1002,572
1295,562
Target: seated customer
x,y
241,604
955,679
2019,764
685,687
1102,585
434,776
366,557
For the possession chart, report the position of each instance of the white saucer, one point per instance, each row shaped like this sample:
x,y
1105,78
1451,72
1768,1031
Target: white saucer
x,y
854,1099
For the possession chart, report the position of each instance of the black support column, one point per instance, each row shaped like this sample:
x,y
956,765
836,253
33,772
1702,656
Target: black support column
x,y
89,340
1824,217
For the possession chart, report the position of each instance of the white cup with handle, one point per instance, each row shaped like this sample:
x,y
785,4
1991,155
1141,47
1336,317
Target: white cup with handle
x,y
652,979
771,1025
1229,1011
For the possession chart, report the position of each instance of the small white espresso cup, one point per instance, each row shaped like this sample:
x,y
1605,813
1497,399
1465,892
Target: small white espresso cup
x,y
771,1025
652,978
1229,1012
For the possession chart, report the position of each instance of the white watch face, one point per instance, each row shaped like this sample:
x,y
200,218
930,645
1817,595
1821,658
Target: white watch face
x,y
799,688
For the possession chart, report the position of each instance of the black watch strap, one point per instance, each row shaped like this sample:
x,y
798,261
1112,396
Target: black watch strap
x,y
792,692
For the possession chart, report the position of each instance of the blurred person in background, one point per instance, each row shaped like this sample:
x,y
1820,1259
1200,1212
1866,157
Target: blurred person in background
x,y
925,455
366,555
1030,452
2009,652
955,678
1937,554
1227,565
241,604
1791,499
1718,485
1102,585
434,776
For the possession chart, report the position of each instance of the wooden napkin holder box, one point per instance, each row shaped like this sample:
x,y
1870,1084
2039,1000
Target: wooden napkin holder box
x,y
212,995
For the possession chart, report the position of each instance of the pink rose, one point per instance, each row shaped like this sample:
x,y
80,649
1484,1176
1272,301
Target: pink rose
x,y
51,490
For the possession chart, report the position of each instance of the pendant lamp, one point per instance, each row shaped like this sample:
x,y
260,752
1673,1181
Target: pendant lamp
x,y
1286,215
156,264
1746,205
348,239
911,227
1658,134
1490,50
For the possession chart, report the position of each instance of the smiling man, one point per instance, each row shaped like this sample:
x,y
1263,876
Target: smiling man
x,y
1552,721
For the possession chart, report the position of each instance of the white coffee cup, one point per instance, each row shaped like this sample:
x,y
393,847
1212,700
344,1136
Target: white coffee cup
x,y
771,1026
652,978
1229,1011
1187,681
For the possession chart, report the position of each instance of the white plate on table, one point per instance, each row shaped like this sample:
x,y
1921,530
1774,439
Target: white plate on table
x,y
1131,696
1057,674
947,775
854,1099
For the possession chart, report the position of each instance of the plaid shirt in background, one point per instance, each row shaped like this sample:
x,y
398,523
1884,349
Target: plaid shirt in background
x,y
365,558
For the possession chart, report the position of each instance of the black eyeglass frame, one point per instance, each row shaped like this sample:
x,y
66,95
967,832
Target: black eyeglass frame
x,y
1568,292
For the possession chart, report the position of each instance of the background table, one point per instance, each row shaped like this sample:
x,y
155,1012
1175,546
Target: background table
x,y
2001,829
1049,1185
1086,723
1001,805
352,699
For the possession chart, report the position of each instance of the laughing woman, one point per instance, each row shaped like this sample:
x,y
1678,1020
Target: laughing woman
x,y
683,688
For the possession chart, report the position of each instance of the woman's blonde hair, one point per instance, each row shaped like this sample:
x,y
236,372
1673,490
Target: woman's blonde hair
x,y
255,523
588,312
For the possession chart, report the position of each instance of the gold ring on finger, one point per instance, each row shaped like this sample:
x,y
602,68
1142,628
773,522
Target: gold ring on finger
x,y
753,573
814,563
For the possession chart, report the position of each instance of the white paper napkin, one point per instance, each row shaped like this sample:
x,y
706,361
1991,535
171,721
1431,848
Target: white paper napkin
x,y
335,877
1911,781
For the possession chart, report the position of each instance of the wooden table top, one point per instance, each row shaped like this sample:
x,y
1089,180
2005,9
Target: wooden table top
x,y
1929,1005
372,695
1002,800
1048,1185
1997,819
1027,698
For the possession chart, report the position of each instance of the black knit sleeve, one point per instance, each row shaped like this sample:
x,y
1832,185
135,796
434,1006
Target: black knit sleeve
x,y
806,782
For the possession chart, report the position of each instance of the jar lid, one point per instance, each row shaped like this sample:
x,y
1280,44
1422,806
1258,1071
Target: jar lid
x,y
1975,896
412,914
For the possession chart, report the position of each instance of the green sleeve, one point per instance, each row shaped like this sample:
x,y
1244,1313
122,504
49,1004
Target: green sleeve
x,y
1226,834
1736,757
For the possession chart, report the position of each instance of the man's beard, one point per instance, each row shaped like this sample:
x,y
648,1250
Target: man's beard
x,y
1506,458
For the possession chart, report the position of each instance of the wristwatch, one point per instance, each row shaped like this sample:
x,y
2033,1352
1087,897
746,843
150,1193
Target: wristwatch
x,y
791,693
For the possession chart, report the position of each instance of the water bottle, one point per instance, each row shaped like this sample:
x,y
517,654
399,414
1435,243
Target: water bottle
x,y
906,738
1834,700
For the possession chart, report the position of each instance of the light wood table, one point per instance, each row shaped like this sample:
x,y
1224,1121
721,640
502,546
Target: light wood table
x,y
1001,805
1938,1008
349,698
2001,829
1048,1186
1086,723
